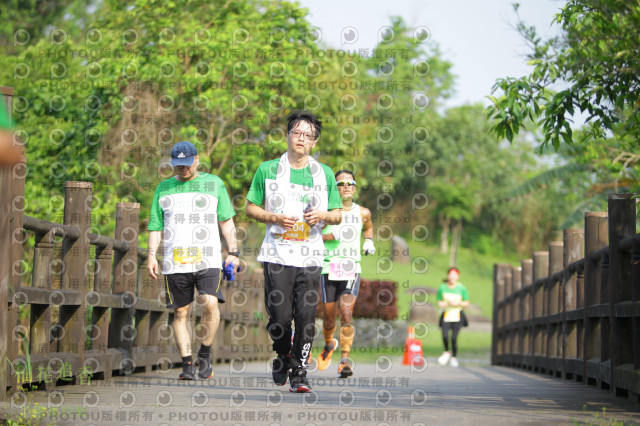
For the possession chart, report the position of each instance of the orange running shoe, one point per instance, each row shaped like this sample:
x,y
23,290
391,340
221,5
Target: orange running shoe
x,y
344,369
324,359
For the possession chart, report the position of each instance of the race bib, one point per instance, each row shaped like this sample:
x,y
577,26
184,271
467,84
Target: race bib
x,y
299,233
183,256
452,315
337,272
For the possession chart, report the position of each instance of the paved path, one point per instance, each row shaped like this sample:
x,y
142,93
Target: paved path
x,y
386,393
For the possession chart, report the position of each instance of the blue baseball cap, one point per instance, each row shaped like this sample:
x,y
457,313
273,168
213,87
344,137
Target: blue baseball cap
x,y
183,154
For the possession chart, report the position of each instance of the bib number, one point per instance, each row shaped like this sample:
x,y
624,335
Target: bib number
x,y
183,256
299,233
337,272
452,315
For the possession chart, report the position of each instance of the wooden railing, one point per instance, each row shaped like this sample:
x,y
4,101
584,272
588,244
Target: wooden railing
x,y
574,311
88,309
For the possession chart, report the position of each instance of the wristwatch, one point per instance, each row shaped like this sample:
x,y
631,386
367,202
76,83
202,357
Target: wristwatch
x,y
234,253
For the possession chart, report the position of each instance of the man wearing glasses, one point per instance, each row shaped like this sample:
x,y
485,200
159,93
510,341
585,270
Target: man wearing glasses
x,y
341,273
299,196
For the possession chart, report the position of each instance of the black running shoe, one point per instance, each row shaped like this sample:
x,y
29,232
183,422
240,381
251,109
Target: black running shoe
x,y
188,372
298,381
205,371
280,369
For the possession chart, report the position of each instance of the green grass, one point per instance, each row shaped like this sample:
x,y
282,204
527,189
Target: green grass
x,y
470,344
476,273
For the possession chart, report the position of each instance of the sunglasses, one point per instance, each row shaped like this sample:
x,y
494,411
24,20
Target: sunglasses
x,y
346,183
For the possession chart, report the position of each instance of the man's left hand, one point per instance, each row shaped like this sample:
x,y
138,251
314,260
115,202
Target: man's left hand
x,y
313,217
234,260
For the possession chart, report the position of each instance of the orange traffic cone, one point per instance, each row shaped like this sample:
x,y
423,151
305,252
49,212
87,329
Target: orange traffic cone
x,y
412,350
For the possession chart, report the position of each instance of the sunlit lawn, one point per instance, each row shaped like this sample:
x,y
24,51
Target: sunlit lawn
x,y
470,344
476,273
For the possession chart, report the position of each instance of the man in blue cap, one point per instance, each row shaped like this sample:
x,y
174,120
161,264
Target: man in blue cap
x,y
187,210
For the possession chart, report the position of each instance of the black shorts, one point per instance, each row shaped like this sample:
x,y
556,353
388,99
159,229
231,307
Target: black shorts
x,y
180,286
332,290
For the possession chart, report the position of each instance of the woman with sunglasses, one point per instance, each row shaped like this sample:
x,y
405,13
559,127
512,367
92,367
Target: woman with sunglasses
x,y
341,272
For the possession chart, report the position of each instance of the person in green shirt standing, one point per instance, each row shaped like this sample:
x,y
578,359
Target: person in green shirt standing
x,y
299,196
186,213
452,298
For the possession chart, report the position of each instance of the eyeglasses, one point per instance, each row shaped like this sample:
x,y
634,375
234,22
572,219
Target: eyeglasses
x,y
346,183
307,136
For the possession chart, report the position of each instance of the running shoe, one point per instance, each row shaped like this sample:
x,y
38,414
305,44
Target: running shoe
x,y
344,369
324,359
454,362
188,372
280,369
298,381
205,371
444,358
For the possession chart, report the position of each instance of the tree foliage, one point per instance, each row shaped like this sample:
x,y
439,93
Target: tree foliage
x,y
591,68
103,93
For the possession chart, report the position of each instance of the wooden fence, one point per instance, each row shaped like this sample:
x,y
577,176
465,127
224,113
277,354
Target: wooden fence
x,y
88,306
574,311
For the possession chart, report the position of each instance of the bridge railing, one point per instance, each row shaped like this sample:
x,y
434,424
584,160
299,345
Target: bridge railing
x,y
574,311
82,307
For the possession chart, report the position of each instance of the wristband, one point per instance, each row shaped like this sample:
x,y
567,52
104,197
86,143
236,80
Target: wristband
x,y
234,253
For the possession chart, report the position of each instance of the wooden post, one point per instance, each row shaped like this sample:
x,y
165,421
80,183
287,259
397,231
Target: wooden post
x,y
15,181
622,211
125,271
158,320
605,330
554,297
508,290
540,271
516,311
506,315
499,272
596,237
573,324
503,312
552,302
75,260
143,317
40,319
100,314
514,314
635,296
527,279
6,178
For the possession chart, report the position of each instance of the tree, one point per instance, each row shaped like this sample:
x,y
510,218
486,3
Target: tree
x,y
106,105
401,87
26,20
592,68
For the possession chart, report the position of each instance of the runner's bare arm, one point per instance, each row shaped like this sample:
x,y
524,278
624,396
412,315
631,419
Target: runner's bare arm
x,y
259,214
333,217
228,229
152,262
10,153
367,224
328,237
